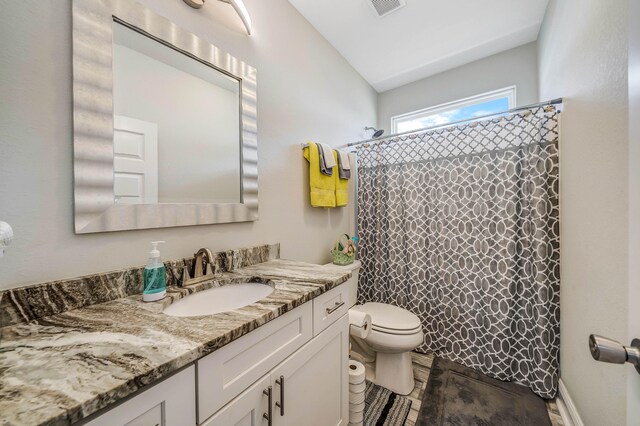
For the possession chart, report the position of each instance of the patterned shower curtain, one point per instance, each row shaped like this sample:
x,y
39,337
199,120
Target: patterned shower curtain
x,y
461,227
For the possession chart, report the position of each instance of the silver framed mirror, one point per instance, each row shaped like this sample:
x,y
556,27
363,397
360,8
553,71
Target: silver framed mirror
x,y
165,124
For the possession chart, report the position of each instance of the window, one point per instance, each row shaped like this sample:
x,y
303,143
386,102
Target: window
x,y
475,106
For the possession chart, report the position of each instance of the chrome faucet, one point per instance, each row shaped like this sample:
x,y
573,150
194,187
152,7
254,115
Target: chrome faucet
x,y
202,268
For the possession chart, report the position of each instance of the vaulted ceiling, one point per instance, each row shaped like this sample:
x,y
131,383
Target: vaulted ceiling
x,y
424,37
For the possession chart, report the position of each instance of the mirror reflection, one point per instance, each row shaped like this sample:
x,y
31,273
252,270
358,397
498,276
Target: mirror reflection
x,y
176,125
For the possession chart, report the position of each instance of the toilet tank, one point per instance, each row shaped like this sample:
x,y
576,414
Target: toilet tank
x,y
352,282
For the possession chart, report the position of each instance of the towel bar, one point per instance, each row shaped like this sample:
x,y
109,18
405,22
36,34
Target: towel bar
x,y
349,149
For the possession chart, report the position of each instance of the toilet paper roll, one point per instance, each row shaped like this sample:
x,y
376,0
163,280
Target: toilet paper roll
x,y
359,324
357,387
354,408
356,398
356,372
356,418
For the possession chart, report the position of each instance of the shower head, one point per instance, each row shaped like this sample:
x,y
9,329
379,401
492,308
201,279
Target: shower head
x,y
376,133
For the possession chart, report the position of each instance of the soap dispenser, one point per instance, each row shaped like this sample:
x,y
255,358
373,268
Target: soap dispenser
x,y
155,279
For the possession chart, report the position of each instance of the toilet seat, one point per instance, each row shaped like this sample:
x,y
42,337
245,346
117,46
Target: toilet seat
x,y
391,319
380,329
394,343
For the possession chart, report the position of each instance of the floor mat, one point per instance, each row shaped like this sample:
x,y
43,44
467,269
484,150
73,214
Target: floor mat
x,y
383,407
458,395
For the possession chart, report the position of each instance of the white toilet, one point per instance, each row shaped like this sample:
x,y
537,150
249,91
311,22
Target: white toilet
x,y
386,352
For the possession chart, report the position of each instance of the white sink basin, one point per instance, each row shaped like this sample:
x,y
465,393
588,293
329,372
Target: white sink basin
x,y
219,299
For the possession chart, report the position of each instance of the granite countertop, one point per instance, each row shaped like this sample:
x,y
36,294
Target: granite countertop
x,y
62,368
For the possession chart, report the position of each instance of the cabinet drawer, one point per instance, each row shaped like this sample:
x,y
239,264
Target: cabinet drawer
x,y
227,372
330,306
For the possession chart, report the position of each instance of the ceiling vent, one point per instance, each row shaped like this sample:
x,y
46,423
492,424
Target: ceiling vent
x,y
385,7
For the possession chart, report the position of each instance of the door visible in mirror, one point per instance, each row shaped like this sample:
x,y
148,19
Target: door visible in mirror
x,y
176,125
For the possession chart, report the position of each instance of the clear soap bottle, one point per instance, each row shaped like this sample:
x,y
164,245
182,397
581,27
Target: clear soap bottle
x,y
155,279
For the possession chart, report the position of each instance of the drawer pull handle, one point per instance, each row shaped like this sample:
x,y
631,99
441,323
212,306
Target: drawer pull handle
x,y
269,415
280,382
337,306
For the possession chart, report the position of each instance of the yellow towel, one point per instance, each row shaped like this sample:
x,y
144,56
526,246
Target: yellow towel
x,y
342,185
323,187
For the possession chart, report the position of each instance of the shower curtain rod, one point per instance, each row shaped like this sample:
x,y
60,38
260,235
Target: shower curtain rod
x,y
557,101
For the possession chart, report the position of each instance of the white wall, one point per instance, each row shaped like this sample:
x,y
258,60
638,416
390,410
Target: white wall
x,y
306,91
513,67
583,58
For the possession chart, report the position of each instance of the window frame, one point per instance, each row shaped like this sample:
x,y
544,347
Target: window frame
x,y
508,92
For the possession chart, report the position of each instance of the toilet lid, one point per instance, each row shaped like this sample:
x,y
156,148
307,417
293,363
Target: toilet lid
x,y
389,318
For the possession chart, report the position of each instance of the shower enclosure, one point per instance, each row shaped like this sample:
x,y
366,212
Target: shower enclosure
x,y
460,225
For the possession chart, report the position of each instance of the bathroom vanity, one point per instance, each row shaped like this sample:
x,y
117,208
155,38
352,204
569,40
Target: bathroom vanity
x,y
291,371
280,361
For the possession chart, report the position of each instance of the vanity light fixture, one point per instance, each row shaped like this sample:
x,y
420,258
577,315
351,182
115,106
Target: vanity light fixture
x,y
238,5
6,236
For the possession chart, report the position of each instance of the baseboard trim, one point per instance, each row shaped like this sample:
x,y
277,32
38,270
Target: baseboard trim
x,y
566,407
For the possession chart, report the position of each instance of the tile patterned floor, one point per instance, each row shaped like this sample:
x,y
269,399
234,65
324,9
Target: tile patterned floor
x,y
421,368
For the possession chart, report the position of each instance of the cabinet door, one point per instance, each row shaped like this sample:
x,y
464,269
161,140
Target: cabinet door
x,y
171,402
316,381
247,409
